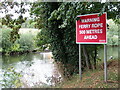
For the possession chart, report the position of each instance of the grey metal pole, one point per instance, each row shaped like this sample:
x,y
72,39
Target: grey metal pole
x,y
105,62
80,70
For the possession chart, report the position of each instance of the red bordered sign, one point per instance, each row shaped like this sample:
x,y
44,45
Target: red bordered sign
x,y
91,29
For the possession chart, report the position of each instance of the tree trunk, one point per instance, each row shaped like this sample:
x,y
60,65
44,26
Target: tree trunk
x,y
95,57
86,56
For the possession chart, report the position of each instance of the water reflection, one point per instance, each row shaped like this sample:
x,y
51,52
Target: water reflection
x,y
37,69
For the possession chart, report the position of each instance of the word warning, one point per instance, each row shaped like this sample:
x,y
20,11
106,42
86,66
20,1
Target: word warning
x,y
91,29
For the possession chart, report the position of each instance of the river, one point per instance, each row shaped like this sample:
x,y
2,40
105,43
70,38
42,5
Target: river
x,y
39,69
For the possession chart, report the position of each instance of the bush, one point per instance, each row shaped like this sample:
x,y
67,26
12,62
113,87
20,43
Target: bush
x,y
26,42
15,47
6,43
42,40
112,33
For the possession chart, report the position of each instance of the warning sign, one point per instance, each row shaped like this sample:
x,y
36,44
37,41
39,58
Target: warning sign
x,y
91,29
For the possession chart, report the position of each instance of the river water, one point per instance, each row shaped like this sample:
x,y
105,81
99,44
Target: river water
x,y
39,69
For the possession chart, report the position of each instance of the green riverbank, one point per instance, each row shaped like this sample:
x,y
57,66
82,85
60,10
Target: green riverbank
x,y
95,78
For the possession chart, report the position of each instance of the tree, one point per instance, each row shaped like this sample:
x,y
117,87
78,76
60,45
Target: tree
x,y
13,17
42,40
10,19
28,24
59,21
5,40
112,33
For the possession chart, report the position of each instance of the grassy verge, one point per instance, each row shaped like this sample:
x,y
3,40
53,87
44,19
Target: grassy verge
x,y
94,78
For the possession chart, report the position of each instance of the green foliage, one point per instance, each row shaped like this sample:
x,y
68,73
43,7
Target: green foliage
x,y
9,20
42,40
59,21
112,33
15,47
11,79
28,24
6,43
13,24
26,42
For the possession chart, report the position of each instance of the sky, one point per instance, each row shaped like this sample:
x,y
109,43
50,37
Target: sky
x,y
11,11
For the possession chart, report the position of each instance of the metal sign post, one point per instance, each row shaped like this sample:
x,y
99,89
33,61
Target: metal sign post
x,y
80,70
105,62
91,29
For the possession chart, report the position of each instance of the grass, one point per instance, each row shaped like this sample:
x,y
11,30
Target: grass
x,y
94,78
